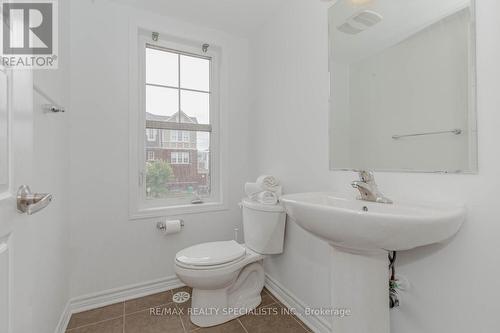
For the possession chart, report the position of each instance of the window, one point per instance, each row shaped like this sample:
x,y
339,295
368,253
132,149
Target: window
x,y
180,136
179,158
177,100
186,136
203,161
151,134
179,106
174,97
151,155
164,136
174,137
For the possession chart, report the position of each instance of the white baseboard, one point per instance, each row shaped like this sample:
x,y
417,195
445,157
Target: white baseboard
x,y
112,296
315,323
64,320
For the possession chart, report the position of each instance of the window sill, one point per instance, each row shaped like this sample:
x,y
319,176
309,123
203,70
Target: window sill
x,y
145,213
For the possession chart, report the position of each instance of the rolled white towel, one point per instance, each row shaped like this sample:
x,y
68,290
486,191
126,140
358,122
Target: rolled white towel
x,y
251,189
268,183
266,198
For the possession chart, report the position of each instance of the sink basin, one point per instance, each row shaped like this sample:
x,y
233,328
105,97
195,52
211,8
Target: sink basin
x,y
353,224
360,234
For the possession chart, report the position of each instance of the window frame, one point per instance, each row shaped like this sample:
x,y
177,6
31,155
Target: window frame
x,y
140,208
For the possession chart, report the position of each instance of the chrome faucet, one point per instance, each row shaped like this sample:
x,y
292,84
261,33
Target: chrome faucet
x,y
368,188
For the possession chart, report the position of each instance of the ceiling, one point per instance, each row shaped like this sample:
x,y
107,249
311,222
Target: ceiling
x,y
240,17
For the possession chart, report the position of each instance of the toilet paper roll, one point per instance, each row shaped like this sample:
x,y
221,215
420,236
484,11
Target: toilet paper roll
x,y
172,227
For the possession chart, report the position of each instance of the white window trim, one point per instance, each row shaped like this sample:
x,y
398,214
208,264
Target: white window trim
x,y
140,34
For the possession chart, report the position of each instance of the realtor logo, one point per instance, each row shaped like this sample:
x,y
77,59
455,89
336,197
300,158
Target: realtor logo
x,y
29,34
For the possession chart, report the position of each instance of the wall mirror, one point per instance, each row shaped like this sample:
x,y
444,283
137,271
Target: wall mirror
x,y
403,86
4,144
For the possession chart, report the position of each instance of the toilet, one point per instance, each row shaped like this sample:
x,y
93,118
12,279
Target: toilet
x,y
227,277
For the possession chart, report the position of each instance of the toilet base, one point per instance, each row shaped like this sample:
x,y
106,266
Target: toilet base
x,y
215,307
216,315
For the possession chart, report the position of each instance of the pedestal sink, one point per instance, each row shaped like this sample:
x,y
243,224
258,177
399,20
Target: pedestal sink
x,y
361,234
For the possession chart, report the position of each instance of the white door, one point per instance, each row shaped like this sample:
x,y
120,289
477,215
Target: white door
x,y
16,236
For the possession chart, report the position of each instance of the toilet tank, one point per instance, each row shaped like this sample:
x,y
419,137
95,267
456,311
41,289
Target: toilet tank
x,y
264,227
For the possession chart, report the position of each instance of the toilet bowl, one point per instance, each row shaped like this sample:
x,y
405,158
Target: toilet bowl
x,y
223,288
227,278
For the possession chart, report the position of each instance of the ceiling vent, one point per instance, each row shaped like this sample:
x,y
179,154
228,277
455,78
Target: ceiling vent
x,y
359,22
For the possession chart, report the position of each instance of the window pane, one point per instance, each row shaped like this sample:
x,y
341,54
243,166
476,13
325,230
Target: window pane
x,y
195,73
162,68
179,169
196,105
162,102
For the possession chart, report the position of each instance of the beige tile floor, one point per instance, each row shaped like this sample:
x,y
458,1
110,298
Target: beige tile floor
x,y
135,316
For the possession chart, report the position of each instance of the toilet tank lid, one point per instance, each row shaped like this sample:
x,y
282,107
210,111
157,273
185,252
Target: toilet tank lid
x,y
210,254
247,203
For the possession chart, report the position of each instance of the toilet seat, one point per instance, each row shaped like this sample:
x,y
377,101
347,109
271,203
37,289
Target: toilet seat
x,y
249,257
210,255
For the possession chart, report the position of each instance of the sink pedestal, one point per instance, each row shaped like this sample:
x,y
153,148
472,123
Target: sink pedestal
x,y
360,284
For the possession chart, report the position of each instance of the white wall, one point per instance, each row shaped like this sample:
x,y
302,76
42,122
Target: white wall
x,y
50,227
290,111
454,285
109,250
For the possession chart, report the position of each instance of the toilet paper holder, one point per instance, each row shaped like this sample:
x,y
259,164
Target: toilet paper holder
x,y
162,226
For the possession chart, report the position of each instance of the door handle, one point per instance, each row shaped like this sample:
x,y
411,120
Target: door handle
x,y
31,203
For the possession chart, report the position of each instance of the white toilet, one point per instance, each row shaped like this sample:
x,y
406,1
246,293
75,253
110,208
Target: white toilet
x,y
227,278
